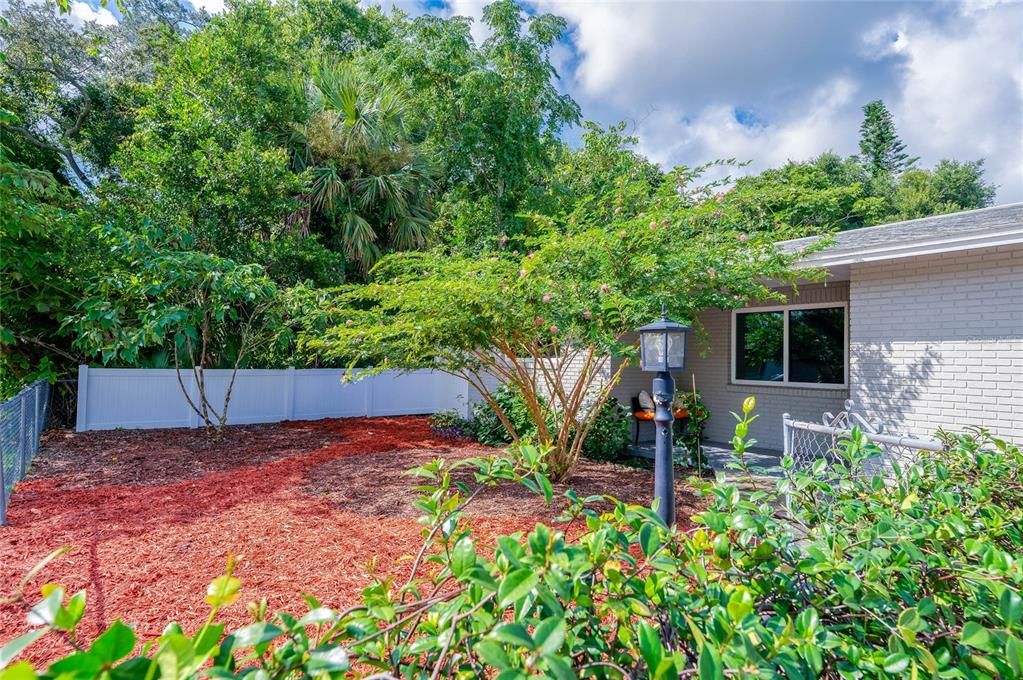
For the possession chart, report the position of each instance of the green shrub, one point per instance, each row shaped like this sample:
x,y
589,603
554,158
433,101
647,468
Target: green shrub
x,y
449,425
609,434
840,575
698,416
488,429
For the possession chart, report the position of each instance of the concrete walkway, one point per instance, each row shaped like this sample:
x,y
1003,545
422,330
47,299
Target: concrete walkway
x,y
718,455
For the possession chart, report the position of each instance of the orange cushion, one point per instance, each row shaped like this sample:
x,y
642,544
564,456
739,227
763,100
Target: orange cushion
x,y
649,415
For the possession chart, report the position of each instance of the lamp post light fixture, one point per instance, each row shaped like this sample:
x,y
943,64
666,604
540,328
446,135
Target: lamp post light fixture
x,y
662,346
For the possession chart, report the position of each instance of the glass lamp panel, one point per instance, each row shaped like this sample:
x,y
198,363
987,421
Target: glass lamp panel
x,y
652,346
676,350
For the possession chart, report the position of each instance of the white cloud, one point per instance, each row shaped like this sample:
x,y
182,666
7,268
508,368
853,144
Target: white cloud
x,y
670,138
961,91
82,13
679,71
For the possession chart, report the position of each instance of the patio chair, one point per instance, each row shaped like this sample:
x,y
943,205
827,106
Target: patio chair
x,y
640,414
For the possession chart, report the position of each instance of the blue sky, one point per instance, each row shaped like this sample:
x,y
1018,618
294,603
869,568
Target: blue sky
x,y
772,81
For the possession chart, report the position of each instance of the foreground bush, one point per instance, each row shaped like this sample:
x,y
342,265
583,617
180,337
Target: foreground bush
x,y
836,575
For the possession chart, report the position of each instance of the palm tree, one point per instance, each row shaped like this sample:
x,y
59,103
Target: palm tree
x,y
368,180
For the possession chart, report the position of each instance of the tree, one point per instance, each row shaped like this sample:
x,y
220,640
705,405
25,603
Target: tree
x,y
548,324
962,184
603,181
74,90
368,180
490,114
202,310
881,150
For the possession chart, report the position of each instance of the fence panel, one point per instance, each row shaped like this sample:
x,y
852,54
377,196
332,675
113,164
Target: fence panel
x,y
22,420
110,398
808,442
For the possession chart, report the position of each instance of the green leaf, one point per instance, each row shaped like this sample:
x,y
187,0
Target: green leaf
x,y
650,646
560,667
648,539
545,486
1014,654
114,644
328,659
222,591
44,613
549,634
20,671
463,557
896,663
256,634
975,635
740,604
70,614
9,651
513,634
317,616
492,653
1010,605
515,586
710,664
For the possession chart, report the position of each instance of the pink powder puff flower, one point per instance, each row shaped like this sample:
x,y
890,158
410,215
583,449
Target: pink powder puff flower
x,y
539,321
604,288
666,223
348,322
522,273
554,330
743,238
546,298
653,225
586,314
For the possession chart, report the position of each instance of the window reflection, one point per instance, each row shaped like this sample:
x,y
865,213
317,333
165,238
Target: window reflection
x,y
759,346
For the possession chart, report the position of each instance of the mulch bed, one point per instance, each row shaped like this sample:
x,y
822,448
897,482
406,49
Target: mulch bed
x,y
309,507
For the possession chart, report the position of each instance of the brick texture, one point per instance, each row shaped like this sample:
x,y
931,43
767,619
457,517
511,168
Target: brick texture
x,y
937,341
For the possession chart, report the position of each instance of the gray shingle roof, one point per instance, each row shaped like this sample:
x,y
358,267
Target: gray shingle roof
x,y
966,225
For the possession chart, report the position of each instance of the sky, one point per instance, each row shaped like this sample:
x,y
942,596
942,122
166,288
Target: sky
x,y
768,82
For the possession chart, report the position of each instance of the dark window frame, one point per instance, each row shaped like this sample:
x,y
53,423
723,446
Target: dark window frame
x,y
785,382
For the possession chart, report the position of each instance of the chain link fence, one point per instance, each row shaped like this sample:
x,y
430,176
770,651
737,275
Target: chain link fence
x,y
807,443
22,420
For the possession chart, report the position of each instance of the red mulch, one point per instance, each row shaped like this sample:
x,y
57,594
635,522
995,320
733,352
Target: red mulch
x,y
307,506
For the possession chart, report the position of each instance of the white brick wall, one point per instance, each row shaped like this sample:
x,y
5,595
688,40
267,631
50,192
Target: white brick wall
x,y
937,341
709,360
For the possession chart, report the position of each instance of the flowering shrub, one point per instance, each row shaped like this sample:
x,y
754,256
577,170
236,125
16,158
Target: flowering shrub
x,y
841,577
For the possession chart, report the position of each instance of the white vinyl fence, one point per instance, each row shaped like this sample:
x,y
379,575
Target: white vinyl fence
x,y
110,398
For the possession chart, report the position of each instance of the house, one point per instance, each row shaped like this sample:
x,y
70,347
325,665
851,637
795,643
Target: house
x,y
920,323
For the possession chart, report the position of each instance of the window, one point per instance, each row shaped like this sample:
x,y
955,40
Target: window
x,y
799,345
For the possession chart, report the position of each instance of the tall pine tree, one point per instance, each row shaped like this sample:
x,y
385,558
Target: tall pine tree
x,y
881,150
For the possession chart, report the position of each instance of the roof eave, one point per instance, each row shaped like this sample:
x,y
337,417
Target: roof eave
x,y
891,251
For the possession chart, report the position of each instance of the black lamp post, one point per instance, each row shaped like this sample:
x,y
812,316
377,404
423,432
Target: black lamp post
x,y
662,347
